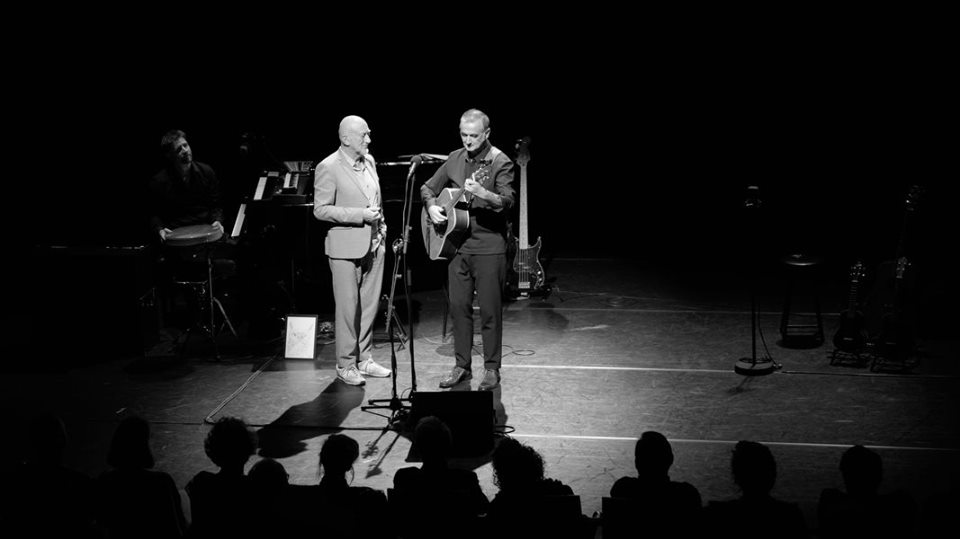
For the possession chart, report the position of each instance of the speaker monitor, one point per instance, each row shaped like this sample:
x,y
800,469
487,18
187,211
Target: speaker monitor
x,y
468,414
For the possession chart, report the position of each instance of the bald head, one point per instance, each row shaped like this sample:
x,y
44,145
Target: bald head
x,y
354,136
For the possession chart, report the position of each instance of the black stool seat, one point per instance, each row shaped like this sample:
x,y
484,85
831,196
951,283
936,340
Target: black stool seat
x,y
799,270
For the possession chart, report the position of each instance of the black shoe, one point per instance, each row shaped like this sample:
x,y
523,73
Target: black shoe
x,y
456,376
491,380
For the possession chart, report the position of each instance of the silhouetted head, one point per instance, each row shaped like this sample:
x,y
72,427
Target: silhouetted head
x,y
269,473
653,455
230,444
516,466
754,469
338,454
862,471
433,439
130,446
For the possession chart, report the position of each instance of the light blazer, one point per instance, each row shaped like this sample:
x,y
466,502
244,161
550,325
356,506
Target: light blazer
x,y
339,199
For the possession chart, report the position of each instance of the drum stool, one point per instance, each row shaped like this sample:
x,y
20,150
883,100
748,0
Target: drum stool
x,y
195,245
799,272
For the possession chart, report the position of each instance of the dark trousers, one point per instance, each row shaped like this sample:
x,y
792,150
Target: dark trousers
x,y
485,274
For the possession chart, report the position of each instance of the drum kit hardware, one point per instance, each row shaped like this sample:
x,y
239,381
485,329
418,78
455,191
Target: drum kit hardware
x,y
200,240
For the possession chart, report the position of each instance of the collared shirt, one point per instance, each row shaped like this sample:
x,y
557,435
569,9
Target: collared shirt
x,y
363,169
488,223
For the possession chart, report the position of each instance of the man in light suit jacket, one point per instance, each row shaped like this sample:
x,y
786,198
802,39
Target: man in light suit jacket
x,y
347,194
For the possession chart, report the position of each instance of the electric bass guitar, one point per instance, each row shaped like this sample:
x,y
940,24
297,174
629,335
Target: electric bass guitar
x,y
851,336
892,312
527,268
443,239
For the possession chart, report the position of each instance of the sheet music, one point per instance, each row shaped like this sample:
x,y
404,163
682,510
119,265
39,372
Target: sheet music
x,y
286,181
261,185
238,224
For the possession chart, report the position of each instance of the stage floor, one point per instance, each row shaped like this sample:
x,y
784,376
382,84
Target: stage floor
x,y
618,347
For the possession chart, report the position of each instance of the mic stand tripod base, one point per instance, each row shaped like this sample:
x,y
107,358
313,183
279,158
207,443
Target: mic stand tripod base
x,y
399,410
754,367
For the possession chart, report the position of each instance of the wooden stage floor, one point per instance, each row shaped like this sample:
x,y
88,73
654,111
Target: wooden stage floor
x,y
617,348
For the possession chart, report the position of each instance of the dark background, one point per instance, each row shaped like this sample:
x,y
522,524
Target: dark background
x,y
642,144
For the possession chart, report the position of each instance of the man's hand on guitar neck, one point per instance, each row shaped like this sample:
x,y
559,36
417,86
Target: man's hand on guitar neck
x,y
436,214
478,190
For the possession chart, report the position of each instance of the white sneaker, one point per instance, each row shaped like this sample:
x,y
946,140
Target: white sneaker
x,y
369,367
350,376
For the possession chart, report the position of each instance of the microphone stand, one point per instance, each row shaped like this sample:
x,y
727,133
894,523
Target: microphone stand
x,y
751,366
395,404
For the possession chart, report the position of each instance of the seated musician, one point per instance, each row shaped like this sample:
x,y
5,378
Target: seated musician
x,y
185,192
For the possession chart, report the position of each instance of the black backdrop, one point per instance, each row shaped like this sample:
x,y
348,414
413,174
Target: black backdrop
x,y
642,146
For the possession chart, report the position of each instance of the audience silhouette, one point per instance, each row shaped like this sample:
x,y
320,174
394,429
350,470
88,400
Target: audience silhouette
x,y
756,513
862,511
657,505
334,507
269,475
133,500
436,499
269,481
528,503
221,502
42,497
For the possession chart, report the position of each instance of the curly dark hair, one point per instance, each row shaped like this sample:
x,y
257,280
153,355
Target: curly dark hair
x,y
516,465
230,442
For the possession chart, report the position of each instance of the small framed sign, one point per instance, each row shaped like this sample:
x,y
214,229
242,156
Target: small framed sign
x,y
301,339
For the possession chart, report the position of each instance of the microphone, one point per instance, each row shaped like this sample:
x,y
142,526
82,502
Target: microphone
x,y
414,162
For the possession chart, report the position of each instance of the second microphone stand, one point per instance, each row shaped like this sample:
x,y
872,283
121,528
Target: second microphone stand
x,y
397,405
753,366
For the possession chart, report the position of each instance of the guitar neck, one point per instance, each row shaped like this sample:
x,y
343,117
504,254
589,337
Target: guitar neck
x,y
524,238
853,296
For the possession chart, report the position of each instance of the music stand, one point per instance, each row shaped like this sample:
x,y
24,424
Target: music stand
x,y
751,366
395,403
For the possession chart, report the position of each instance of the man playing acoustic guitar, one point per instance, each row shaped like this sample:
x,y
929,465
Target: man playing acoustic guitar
x,y
480,260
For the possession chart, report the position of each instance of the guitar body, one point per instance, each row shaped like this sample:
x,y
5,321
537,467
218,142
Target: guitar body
x,y
443,239
529,272
894,326
851,337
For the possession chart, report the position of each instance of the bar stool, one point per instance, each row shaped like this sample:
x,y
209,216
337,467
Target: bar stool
x,y
800,270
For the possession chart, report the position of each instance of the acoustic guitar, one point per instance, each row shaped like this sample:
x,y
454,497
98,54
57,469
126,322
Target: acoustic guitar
x,y
527,269
443,239
851,336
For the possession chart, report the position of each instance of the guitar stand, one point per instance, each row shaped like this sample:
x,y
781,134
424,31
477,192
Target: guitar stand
x,y
849,359
904,362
